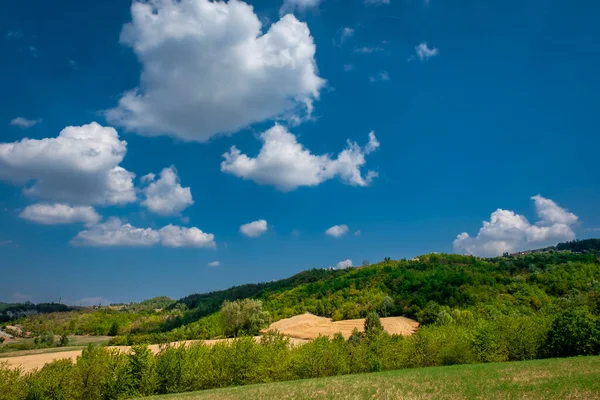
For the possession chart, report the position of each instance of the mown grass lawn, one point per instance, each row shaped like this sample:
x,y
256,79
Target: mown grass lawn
x,y
569,378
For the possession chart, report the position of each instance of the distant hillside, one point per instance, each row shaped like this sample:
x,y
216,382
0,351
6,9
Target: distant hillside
x,y
544,280
10,311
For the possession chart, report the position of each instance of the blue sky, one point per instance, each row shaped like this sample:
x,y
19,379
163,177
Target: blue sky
x,y
474,108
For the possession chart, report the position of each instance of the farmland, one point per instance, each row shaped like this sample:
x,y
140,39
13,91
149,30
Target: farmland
x,y
299,329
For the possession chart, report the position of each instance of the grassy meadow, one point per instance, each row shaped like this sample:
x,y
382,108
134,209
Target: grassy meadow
x,y
567,378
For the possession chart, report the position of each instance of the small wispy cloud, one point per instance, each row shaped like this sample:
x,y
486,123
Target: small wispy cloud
x,y
90,301
377,2
21,298
424,52
74,65
7,243
367,49
337,231
13,35
214,264
343,264
348,67
343,34
381,77
24,122
33,51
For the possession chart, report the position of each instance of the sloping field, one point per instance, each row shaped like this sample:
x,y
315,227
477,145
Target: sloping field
x,y
567,378
33,361
308,326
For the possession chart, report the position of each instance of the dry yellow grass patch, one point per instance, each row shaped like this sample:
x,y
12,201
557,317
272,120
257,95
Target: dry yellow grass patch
x,y
308,326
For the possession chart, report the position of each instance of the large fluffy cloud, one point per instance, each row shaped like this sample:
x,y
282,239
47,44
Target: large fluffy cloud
x,y
166,196
507,231
80,166
208,69
287,165
116,233
254,229
53,214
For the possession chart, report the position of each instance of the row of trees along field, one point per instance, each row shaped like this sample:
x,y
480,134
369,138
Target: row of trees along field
x,y
456,337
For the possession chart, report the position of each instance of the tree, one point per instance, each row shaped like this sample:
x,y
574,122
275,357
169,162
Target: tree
x,y
114,329
2,339
64,340
386,304
574,333
244,316
45,339
373,325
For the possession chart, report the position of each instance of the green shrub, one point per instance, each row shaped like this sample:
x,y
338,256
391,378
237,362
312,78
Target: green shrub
x,y
575,332
12,383
54,381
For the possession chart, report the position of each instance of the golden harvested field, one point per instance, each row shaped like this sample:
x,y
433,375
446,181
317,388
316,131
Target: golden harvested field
x,y
308,326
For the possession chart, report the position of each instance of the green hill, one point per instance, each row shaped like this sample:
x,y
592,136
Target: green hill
x,y
425,288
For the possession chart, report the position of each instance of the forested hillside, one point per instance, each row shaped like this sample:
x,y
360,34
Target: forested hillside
x,y
425,288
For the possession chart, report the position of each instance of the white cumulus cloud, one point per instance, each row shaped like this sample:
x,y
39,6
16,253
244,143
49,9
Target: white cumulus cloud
x,y
166,196
116,233
509,232
424,52
53,214
343,264
289,6
287,165
337,230
80,166
254,229
177,236
24,122
207,69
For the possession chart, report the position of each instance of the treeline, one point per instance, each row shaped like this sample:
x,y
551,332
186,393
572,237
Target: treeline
x,y
586,245
456,337
100,322
11,311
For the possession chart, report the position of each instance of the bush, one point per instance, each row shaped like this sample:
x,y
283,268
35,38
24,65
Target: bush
x,y
373,325
64,340
12,384
54,381
575,332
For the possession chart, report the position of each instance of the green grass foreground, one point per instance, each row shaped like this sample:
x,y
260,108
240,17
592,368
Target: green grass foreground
x,y
567,378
